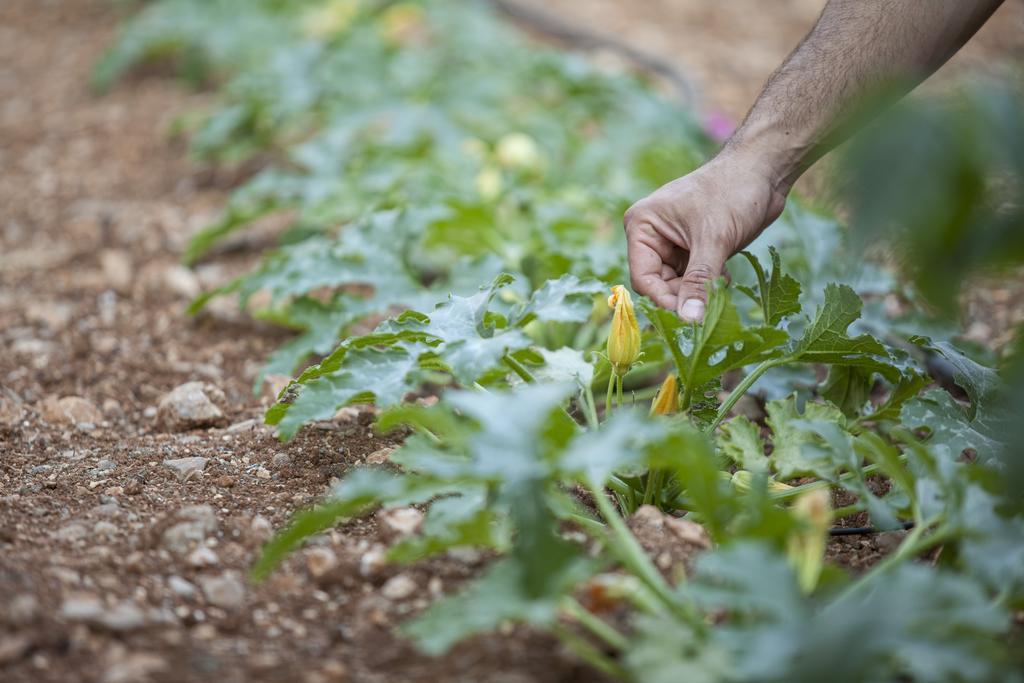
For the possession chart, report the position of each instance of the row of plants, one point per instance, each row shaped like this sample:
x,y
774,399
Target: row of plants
x,y
421,149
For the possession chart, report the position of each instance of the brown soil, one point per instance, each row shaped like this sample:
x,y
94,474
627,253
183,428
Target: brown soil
x,y
97,205
99,583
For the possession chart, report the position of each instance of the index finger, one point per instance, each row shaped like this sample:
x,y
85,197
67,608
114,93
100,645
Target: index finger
x,y
645,274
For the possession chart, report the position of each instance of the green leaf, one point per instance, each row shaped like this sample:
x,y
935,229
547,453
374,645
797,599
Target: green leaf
x,y
368,374
567,299
981,384
460,520
498,596
739,439
778,295
949,423
789,458
617,447
667,650
848,387
705,351
564,365
825,339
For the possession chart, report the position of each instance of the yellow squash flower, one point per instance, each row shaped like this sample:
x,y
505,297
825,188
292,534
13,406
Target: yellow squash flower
x,y
667,400
743,479
519,150
624,338
330,18
806,548
403,24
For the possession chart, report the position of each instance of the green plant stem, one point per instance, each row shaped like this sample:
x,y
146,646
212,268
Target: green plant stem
x,y
687,398
655,479
632,556
588,401
595,624
840,513
821,483
618,485
740,390
586,522
590,654
518,368
618,393
608,396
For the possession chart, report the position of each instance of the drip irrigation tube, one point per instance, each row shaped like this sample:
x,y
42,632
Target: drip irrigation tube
x,y
863,530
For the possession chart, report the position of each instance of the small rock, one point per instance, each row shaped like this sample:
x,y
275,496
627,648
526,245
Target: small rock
x,y
56,315
465,554
203,557
135,667
243,426
261,527
399,587
81,608
672,542
112,409
11,413
181,587
273,385
108,508
191,406
104,528
226,590
196,521
281,460
117,268
380,456
21,610
399,522
74,531
105,465
263,473
124,616
347,414
320,561
70,410
89,609
14,647
373,560
182,281
186,468
225,481
888,542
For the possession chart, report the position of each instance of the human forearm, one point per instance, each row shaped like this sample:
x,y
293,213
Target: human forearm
x,y
857,48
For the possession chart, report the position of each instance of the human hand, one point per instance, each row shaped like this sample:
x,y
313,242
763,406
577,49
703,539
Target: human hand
x,y
680,236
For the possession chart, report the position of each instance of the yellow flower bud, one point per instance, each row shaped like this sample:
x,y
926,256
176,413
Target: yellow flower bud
x,y
806,548
489,183
403,24
330,18
624,338
742,480
519,150
667,400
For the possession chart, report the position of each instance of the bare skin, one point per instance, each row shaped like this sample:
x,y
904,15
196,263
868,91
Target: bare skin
x,y
680,236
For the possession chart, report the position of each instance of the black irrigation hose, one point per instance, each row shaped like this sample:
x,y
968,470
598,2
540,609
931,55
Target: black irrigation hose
x,y
863,530
567,32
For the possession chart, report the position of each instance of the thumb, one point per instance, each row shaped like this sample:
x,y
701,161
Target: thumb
x,y
703,266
